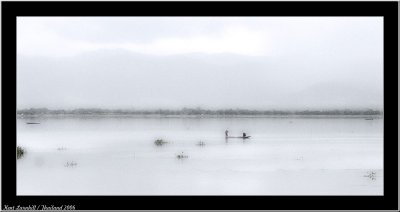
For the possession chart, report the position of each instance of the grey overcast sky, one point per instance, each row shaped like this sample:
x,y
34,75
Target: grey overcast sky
x,y
209,62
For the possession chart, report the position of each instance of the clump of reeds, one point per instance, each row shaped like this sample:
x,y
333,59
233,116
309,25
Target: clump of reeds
x,y
160,142
201,143
371,175
61,148
181,156
300,158
71,164
20,152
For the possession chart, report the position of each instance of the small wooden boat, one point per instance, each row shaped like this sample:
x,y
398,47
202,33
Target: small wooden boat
x,y
369,119
32,123
243,137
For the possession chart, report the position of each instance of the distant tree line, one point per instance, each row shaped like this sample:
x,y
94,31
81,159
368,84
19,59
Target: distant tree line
x,y
194,111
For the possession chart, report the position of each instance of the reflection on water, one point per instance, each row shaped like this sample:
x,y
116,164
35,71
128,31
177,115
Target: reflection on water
x,y
119,156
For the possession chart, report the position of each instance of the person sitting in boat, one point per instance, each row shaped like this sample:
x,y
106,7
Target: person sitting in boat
x,y
226,133
244,135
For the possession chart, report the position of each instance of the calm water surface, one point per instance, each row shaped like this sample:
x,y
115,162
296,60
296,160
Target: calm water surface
x,y
117,156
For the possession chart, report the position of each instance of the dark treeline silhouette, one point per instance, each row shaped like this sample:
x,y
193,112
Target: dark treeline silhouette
x,y
194,111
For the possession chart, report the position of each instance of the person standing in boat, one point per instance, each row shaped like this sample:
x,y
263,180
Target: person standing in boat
x,y
244,135
226,133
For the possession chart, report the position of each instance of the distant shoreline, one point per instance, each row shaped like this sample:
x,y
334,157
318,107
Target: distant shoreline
x,y
190,116
196,112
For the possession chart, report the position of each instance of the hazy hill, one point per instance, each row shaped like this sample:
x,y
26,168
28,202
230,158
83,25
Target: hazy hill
x,y
122,79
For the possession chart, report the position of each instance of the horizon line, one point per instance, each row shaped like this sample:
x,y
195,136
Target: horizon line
x,y
201,108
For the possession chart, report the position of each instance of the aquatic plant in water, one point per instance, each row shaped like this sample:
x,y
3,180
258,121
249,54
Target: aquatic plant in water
x,y
201,143
61,148
160,142
20,152
71,164
371,175
181,156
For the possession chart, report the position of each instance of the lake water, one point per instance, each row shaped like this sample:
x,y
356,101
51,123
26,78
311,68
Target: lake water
x,y
117,156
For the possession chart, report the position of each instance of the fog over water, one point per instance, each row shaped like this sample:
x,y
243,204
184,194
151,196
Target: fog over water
x,y
170,62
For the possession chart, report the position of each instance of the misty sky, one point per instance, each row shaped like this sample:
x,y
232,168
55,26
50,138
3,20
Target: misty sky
x,y
212,62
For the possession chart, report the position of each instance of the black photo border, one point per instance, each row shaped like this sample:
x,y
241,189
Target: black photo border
x,y
388,10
